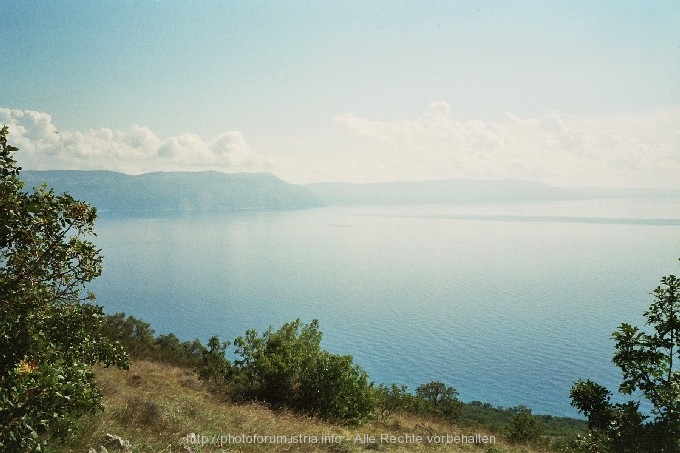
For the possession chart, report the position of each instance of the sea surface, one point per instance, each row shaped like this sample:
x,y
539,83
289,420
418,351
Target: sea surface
x,y
510,304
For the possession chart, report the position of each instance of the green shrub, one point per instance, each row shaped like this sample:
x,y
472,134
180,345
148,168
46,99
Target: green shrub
x,y
288,368
392,400
440,399
214,365
524,427
139,340
648,361
334,388
593,442
50,333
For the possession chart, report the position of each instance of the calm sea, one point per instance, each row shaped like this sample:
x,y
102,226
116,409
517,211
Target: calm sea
x,y
509,304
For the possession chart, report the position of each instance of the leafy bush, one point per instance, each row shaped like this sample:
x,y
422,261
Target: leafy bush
x,y
284,369
334,388
134,334
524,427
214,365
440,400
139,340
392,400
648,361
288,368
593,442
49,333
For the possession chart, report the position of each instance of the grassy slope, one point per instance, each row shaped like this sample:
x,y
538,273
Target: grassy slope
x,y
155,406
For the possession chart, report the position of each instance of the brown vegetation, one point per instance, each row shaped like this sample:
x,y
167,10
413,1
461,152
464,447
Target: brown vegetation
x,y
156,407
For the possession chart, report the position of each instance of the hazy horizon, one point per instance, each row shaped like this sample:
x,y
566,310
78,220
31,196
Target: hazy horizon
x,y
399,181
565,93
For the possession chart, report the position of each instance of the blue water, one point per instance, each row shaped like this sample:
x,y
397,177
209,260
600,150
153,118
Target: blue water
x,y
509,304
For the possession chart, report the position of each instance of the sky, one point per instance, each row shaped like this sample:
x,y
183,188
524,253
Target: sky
x,y
571,93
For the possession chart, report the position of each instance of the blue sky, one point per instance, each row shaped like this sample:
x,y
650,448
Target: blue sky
x,y
570,93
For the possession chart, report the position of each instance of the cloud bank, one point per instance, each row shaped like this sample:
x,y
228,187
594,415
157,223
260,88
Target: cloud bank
x,y
633,150
624,151
137,150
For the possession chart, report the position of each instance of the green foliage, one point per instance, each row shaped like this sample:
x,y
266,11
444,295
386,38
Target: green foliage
x,y
593,442
334,388
557,431
271,365
440,400
392,400
647,359
594,401
134,334
288,368
49,333
140,341
169,349
524,427
284,369
649,362
214,365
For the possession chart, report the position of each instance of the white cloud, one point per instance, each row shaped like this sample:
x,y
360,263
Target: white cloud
x,y
43,146
560,149
632,150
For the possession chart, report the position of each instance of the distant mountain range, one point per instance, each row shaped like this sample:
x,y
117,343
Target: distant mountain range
x,y
215,191
436,192
176,191
470,191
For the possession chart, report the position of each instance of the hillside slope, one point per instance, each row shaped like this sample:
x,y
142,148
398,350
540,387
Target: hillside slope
x,y
156,407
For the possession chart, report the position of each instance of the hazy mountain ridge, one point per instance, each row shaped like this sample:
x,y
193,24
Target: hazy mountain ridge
x,y
176,191
215,191
436,192
470,191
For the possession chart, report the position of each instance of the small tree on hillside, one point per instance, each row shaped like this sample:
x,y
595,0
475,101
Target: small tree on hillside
x,y
391,400
334,388
214,365
271,365
650,363
288,368
524,427
441,399
49,333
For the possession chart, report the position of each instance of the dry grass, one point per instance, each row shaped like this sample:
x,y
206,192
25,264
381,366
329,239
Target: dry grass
x,y
156,407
